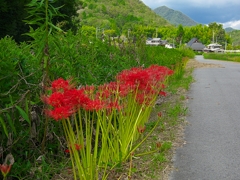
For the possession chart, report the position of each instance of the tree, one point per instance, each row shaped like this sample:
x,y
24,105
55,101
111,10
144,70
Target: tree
x,y
180,34
218,33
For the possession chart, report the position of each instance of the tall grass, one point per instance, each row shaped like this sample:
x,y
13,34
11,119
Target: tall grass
x,y
223,56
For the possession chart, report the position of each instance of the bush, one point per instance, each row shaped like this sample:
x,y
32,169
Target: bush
x,y
186,52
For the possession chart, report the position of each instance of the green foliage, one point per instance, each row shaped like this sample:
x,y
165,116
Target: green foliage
x,y
235,36
186,52
220,56
119,12
180,34
18,71
162,56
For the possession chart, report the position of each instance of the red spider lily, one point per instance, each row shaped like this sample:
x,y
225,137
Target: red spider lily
x,y
113,105
61,85
158,144
163,86
162,93
112,87
140,98
5,169
104,94
56,99
77,147
89,90
160,70
141,129
76,98
95,105
135,76
125,89
60,112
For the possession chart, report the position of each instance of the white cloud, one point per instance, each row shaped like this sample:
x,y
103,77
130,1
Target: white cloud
x,y
233,24
204,11
193,3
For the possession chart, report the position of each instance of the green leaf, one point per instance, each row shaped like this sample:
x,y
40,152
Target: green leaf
x,y
4,126
55,27
23,114
11,124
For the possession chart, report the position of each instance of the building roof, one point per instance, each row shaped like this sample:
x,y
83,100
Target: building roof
x,y
195,44
193,40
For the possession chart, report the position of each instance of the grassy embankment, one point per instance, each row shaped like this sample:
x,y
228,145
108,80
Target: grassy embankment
x,y
86,63
223,56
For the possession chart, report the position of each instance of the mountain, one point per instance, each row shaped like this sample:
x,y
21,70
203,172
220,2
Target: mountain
x,y
118,14
229,29
174,17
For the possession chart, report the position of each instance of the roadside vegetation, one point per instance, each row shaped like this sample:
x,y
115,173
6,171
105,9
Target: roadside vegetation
x,y
37,143
223,56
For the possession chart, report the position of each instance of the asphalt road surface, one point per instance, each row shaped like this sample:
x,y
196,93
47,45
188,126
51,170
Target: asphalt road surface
x,y
212,149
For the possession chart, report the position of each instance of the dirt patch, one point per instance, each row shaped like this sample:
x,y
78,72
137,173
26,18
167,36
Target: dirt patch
x,y
192,63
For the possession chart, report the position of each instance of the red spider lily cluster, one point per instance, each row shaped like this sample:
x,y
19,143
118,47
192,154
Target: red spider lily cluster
x,y
143,84
119,109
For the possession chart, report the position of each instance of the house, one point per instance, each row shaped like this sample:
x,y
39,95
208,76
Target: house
x,y
156,42
195,45
214,47
169,46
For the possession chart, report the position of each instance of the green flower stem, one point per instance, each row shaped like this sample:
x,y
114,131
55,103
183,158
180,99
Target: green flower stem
x,y
130,167
132,150
149,152
67,138
96,140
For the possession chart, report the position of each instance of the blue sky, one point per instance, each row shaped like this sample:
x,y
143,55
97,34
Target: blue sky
x,y
226,12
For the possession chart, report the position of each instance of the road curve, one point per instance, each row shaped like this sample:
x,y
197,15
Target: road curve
x,y
212,149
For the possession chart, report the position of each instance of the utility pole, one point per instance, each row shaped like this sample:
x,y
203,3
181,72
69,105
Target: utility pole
x,y
96,32
213,36
128,33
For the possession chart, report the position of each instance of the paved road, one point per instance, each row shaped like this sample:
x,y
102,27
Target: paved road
x,y
212,150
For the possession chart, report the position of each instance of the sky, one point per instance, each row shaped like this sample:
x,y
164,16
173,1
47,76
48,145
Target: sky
x,y
226,12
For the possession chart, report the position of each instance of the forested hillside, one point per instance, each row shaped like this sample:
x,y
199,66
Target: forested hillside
x,y
174,17
235,35
118,14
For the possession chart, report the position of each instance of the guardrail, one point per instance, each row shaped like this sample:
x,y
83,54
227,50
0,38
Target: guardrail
x,y
232,51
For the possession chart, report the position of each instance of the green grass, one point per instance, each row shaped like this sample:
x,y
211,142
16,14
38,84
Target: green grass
x,y
223,56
